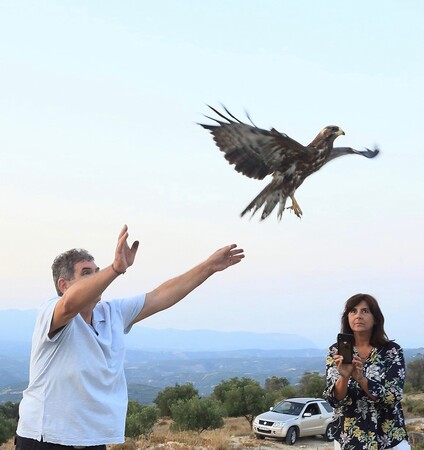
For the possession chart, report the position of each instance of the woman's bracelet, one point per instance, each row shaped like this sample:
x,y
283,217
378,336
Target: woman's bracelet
x,y
116,271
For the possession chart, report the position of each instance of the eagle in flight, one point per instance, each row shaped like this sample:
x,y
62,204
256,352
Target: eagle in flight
x,y
257,153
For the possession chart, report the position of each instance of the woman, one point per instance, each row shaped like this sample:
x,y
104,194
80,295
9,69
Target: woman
x,y
366,394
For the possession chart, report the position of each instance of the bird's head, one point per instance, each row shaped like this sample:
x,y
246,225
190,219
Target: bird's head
x,y
326,137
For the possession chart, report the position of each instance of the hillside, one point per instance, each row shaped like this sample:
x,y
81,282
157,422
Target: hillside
x,y
159,358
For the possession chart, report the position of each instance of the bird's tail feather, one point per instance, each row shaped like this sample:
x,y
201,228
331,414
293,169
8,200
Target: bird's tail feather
x,y
270,198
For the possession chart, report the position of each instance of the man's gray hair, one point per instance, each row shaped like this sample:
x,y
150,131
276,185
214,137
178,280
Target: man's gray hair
x,y
64,265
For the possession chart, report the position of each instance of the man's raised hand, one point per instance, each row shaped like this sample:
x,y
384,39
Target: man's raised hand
x,y
124,254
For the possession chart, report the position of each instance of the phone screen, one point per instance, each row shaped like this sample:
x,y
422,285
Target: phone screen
x,y
345,347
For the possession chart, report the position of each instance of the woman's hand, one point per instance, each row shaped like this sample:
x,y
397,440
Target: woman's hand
x,y
357,372
345,370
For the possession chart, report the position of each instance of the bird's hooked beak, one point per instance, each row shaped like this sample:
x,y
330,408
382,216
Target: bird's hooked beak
x,y
340,132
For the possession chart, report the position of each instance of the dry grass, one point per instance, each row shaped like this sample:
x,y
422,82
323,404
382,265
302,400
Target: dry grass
x,y
418,396
9,445
220,439
417,426
235,435
129,444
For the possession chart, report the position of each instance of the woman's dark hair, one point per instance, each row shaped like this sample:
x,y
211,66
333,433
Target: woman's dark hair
x,y
378,336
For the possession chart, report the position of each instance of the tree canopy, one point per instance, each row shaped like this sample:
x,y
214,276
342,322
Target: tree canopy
x,y
241,397
197,414
170,395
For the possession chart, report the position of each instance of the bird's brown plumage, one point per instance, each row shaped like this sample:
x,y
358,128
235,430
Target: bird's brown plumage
x,y
257,153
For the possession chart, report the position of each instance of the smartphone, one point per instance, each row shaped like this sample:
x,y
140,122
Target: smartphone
x,y
345,344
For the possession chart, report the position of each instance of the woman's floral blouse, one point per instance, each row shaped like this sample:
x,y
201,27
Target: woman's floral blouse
x,y
360,422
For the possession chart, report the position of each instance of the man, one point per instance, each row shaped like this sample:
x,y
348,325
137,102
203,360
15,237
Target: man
x,y
77,393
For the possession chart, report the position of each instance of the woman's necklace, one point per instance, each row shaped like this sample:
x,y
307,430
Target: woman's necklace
x,y
364,354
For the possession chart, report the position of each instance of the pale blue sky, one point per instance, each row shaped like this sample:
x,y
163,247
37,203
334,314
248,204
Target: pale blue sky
x,y
98,108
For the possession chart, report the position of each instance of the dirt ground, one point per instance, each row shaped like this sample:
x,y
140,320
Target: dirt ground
x,y
236,435
266,444
237,443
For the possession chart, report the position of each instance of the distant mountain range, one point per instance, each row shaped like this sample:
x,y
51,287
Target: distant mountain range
x,y
157,358
16,327
160,358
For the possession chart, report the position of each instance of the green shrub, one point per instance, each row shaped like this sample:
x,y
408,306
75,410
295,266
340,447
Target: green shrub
x,y
241,397
413,406
170,395
9,413
7,429
197,414
140,419
418,410
415,375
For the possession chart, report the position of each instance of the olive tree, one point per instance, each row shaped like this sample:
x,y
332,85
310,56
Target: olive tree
x,y
276,383
9,413
241,397
140,419
197,414
170,395
312,384
415,375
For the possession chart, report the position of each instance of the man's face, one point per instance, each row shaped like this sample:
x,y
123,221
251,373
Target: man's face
x,y
82,270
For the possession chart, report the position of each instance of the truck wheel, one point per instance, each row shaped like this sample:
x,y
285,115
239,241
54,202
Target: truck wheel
x,y
328,436
291,436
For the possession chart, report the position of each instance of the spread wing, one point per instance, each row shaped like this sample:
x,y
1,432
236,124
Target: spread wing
x,y
255,152
340,151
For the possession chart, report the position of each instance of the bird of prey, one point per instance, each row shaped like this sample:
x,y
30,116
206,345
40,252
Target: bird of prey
x,y
257,153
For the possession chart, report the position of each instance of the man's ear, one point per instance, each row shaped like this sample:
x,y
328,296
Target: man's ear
x,y
62,285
